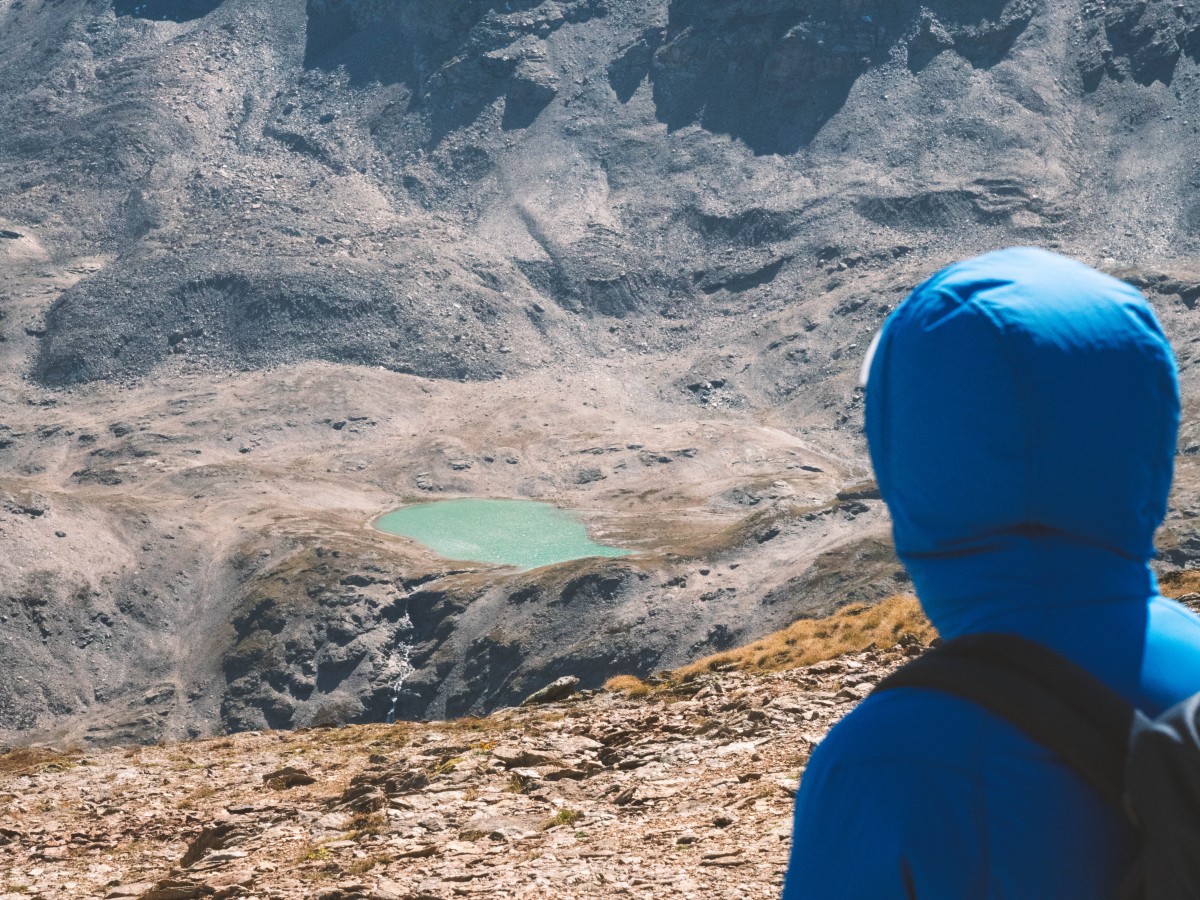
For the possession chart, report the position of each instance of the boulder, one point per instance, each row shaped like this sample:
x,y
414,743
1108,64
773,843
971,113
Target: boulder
x,y
557,690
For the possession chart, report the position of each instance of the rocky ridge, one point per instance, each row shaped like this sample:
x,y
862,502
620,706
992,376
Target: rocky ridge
x,y
686,792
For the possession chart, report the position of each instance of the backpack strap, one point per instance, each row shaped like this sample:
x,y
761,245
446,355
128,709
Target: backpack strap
x,y
1059,705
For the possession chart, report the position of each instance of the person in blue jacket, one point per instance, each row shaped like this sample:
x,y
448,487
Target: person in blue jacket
x,y
1021,412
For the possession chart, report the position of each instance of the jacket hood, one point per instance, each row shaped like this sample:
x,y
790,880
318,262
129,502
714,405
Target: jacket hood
x,y
1022,411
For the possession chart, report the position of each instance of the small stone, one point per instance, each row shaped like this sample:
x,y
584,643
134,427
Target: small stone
x,y
557,690
520,757
857,692
136,889
386,889
212,838
365,798
334,821
287,777
626,796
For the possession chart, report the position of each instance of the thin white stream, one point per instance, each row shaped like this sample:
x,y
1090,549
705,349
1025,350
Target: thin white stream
x,y
399,665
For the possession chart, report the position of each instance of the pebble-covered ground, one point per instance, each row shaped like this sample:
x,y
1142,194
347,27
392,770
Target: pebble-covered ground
x,y
685,795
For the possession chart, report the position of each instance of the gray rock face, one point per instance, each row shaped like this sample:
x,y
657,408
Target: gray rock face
x,y
532,87
165,10
773,74
334,654
559,689
734,193
216,239
258,318
1141,41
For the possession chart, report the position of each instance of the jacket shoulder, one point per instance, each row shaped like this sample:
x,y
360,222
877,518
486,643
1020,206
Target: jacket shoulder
x,y
922,794
882,806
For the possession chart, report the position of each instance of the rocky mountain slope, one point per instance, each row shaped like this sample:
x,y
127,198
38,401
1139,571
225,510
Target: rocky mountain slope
x,y
689,793
273,267
259,167
682,788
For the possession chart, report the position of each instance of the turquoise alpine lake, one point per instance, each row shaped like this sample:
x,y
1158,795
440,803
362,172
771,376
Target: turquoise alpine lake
x,y
511,532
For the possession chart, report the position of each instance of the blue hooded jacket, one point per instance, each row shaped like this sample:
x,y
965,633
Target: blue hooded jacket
x,y
1021,412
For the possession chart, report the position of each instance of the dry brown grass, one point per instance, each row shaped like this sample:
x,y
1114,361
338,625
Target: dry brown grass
x,y
563,817
202,792
1176,584
367,824
629,685
365,865
809,641
803,643
27,761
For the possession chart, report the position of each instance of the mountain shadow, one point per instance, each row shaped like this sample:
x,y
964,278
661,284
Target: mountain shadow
x,y
166,10
773,73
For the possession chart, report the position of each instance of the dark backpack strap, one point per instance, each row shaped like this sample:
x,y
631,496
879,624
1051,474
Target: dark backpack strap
x,y
1059,705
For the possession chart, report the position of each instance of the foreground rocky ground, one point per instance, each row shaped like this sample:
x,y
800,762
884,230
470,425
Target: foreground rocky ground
x,y
684,793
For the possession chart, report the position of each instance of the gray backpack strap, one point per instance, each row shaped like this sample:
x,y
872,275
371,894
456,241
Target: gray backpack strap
x,y
1162,784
